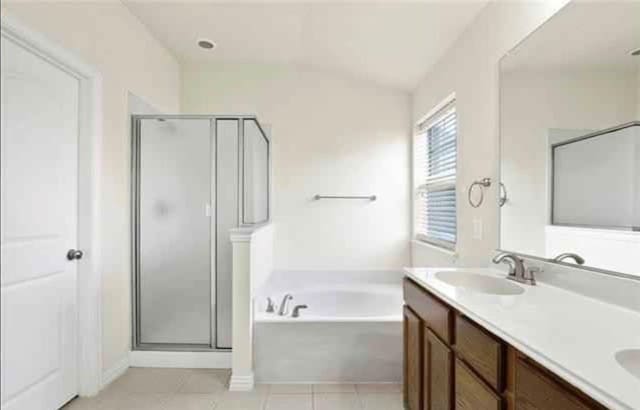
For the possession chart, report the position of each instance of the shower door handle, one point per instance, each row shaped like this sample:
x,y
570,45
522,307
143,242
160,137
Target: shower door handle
x,y
207,210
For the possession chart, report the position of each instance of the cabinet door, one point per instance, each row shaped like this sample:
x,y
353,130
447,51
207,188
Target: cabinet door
x,y
438,374
413,349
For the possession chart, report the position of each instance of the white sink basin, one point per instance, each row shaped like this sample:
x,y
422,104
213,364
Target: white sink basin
x,y
479,283
630,360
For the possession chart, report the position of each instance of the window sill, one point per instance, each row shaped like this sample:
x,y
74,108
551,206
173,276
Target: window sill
x,y
430,246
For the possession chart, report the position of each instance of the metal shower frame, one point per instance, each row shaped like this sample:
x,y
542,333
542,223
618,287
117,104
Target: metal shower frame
x,y
135,219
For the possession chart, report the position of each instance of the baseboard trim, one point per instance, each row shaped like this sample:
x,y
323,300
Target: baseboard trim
x,y
195,360
241,383
115,371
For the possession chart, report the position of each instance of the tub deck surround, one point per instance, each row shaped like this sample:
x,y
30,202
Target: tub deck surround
x,y
344,303
351,331
346,296
574,336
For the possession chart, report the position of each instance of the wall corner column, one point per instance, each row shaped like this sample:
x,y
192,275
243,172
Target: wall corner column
x,y
242,378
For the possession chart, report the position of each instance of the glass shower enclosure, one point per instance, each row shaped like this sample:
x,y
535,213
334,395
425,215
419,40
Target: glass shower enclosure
x,y
194,177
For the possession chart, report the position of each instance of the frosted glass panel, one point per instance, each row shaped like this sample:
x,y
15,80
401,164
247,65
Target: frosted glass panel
x,y
227,190
174,232
256,174
597,181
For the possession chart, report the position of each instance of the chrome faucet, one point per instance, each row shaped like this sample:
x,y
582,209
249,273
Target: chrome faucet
x,y
568,255
284,306
517,270
296,310
516,265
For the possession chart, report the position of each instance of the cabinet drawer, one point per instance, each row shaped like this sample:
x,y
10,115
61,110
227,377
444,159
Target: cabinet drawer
x,y
535,389
471,393
483,352
437,315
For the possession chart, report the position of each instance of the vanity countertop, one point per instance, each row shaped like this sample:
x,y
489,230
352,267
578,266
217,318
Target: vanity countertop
x,y
574,336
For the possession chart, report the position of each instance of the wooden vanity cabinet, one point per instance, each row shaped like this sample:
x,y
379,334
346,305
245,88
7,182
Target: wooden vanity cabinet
x,y
538,389
450,362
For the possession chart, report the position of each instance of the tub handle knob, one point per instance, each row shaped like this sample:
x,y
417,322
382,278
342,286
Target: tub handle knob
x,y
296,310
271,307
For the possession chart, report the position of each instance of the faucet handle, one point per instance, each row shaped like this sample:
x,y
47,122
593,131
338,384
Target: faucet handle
x,y
296,310
530,274
270,305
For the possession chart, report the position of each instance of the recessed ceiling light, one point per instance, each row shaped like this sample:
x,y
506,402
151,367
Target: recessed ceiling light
x,y
635,52
206,44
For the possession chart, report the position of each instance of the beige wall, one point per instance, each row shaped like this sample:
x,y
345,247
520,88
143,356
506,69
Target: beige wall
x,y
331,135
470,69
113,41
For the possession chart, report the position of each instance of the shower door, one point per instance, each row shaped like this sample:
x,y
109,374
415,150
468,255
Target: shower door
x,y
173,223
194,179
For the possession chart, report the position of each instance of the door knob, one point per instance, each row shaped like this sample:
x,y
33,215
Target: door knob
x,y
74,254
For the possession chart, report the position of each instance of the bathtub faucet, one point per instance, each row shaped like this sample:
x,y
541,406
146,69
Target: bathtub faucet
x,y
296,310
284,306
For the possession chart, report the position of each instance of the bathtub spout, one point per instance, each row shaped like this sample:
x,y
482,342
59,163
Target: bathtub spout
x,y
284,306
296,310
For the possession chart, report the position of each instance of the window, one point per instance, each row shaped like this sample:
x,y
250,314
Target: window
x,y
435,158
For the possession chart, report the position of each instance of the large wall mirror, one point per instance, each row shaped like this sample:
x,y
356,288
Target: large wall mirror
x,y
570,139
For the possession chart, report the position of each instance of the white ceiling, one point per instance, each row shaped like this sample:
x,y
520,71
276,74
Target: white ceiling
x,y
391,43
583,35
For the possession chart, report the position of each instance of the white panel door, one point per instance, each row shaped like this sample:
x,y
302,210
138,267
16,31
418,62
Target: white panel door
x,y
39,148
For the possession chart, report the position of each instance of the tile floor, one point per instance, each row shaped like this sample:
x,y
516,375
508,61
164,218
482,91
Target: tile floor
x,y
206,389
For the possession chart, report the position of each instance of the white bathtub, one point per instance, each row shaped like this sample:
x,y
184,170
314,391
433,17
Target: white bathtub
x,y
350,332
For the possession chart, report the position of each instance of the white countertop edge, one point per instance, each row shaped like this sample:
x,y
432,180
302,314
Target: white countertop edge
x,y
593,391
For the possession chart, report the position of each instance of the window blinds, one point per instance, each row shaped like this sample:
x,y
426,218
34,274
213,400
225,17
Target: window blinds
x,y
435,151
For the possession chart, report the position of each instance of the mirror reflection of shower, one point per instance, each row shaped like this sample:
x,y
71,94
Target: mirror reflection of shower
x,y
194,178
